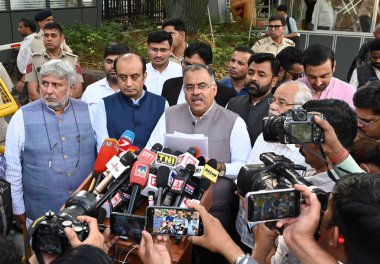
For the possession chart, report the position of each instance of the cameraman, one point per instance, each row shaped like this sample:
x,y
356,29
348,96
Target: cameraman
x,y
95,239
288,95
343,120
350,226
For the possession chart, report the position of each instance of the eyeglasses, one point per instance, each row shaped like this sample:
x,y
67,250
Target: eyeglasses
x,y
64,171
185,63
280,103
366,124
201,86
296,76
274,26
156,50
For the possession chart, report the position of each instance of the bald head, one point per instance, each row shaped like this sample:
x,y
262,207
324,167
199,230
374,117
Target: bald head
x,y
130,71
131,58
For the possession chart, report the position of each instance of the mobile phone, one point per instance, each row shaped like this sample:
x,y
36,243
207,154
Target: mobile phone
x,y
272,205
173,221
127,226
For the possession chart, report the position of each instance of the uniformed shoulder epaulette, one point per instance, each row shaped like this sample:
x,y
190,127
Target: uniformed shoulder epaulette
x,y
263,41
70,54
38,53
289,41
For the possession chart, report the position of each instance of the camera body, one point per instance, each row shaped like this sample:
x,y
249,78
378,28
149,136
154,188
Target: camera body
x,y
49,235
278,172
292,127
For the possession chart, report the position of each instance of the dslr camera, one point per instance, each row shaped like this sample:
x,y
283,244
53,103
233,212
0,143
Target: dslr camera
x,y
49,235
294,126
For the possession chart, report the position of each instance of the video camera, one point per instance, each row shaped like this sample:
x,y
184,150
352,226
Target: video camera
x,y
49,235
278,172
293,124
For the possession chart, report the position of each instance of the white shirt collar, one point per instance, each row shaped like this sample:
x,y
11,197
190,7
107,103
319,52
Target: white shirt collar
x,y
136,102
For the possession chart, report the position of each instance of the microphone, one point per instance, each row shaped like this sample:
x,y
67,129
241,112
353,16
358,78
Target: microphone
x,y
210,172
149,156
188,192
165,158
116,184
115,167
161,182
195,151
109,148
126,140
178,184
199,169
139,177
151,185
203,186
185,159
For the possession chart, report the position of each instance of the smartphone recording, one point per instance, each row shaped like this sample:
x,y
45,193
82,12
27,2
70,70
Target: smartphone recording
x,y
173,221
263,206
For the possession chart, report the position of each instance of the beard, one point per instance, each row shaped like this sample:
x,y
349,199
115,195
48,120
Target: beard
x,y
111,78
376,65
58,104
255,90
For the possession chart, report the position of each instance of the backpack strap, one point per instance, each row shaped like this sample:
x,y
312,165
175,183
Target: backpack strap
x,y
288,24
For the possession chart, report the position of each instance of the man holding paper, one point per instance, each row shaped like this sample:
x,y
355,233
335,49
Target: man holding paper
x,y
228,139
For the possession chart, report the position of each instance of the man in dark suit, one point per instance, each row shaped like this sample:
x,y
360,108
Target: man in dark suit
x,y
200,53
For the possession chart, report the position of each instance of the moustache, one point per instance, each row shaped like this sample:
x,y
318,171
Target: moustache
x,y
253,85
197,97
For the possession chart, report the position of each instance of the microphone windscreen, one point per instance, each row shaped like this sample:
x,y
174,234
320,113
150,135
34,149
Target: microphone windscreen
x,y
156,147
153,171
177,153
109,148
127,158
162,177
204,184
202,161
129,135
167,150
192,151
139,173
190,167
101,215
213,163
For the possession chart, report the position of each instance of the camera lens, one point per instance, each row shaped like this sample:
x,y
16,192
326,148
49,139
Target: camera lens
x,y
301,116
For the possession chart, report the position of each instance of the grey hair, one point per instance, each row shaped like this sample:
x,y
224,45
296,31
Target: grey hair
x,y
303,93
198,67
60,69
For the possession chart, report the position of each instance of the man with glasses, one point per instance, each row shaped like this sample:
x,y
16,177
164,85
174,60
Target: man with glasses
x,y
288,96
290,60
160,67
226,131
253,107
276,41
50,145
319,64
200,53
367,108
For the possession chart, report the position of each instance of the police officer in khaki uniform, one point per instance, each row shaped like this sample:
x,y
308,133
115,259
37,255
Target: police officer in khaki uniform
x,y
53,39
42,18
276,41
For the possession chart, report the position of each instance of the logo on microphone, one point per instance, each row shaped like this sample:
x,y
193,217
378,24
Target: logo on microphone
x,y
189,189
147,156
141,171
210,173
166,159
124,143
177,185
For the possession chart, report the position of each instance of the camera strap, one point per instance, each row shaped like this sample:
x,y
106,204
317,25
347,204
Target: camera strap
x,y
323,157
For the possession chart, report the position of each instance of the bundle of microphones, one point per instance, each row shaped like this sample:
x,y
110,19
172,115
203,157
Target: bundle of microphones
x,y
125,176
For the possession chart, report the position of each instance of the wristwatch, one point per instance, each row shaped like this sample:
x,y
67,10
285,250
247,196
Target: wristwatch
x,y
221,167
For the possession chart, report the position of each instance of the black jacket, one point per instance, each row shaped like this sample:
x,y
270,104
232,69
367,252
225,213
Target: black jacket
x,y
172,88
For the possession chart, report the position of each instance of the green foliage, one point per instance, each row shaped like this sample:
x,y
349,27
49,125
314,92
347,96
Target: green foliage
x,y
88,42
